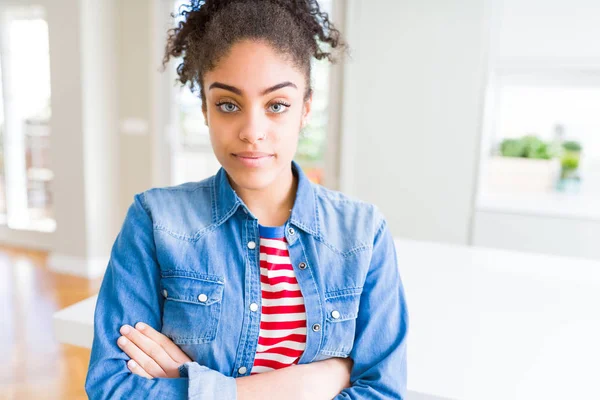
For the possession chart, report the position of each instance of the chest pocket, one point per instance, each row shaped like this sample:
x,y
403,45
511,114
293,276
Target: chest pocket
x,y
192,307
341,310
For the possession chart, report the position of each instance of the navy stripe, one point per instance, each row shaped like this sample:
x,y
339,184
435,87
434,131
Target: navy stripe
x,y
271,232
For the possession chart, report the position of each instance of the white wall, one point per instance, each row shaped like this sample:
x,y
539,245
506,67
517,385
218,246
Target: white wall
x,y
100,112
413,97
561,31
84,142
66,125
137,68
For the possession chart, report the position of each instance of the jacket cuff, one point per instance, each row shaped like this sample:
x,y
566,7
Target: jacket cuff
x,y
205,383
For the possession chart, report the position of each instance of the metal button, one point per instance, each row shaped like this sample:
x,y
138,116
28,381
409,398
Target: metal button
x,y
202,298
165,293
316,327
242,370
251,245
253,307
291,231
335,314
302,265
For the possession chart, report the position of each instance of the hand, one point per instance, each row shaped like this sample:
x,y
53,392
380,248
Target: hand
x,y
153,355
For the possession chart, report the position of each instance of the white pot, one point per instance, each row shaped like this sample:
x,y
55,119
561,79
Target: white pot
x,y
513,174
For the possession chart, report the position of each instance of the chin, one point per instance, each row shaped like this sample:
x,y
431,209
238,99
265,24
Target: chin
x,y
252,179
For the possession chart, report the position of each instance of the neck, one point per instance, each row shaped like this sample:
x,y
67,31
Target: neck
x,y
271,205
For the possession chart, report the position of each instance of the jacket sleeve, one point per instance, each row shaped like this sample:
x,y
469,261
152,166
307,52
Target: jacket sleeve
x,y
379,351
130,294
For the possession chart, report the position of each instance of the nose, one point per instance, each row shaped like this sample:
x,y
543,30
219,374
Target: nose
x,y
254,126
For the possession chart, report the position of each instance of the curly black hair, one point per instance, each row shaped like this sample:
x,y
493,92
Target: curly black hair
x,y
296,28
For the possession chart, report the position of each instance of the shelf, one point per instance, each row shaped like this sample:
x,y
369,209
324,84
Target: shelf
x,y
575,206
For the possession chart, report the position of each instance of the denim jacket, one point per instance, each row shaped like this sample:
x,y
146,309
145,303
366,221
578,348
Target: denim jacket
x,y
180,242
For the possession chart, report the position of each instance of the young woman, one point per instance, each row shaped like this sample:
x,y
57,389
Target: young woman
x,y
254,283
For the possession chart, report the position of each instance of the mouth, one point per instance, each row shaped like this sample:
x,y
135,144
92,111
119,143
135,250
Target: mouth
x,y
253,159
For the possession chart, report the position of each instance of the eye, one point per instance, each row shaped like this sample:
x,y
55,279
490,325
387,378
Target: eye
x,y
228,107
279,107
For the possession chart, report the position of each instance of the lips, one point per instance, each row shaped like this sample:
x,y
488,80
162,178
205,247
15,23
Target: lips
x,y
252,154
253,159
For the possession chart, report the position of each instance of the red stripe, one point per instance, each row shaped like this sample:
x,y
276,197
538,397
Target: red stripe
x,y
283,309
274,251
277,279
272,341
279,310
275,267
286,351
283,325
281,294
270,363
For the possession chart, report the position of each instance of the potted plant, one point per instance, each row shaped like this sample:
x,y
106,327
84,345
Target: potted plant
x,y
526,164
569,175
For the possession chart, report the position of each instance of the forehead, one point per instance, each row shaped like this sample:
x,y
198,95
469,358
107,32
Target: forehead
x,y
253,66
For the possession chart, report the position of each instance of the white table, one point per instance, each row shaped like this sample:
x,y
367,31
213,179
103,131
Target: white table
x,y
75,324
492,324
484,324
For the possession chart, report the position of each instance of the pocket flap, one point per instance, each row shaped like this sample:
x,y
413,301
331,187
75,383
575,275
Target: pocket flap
x,y
342,308
199,291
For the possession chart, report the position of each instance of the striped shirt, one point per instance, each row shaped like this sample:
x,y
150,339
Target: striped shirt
x,y
282,336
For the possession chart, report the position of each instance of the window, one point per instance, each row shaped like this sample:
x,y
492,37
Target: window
x,y
557,109
192,132
25,65
313,141
2,175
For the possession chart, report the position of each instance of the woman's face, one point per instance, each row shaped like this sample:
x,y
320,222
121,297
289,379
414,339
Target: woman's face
x,y
255,109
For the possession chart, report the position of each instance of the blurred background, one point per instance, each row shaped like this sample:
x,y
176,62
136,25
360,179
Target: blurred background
x,y
473,124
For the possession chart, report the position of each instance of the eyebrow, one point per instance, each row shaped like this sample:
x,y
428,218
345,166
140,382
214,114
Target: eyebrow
x,y
219,85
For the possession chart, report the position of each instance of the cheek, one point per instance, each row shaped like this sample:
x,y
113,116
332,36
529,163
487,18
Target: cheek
x,y
222,129
285,133
219,137
291,123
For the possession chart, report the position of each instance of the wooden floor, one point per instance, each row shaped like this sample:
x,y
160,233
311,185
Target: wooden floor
x,y
33,365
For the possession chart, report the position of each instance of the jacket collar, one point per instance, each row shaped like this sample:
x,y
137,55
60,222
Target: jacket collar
x,y
225,201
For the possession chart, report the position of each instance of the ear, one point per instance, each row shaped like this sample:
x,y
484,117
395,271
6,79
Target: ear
x,y
307,109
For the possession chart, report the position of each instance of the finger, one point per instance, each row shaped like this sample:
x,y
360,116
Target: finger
x,y
150,348
137,355
171,348
136,369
